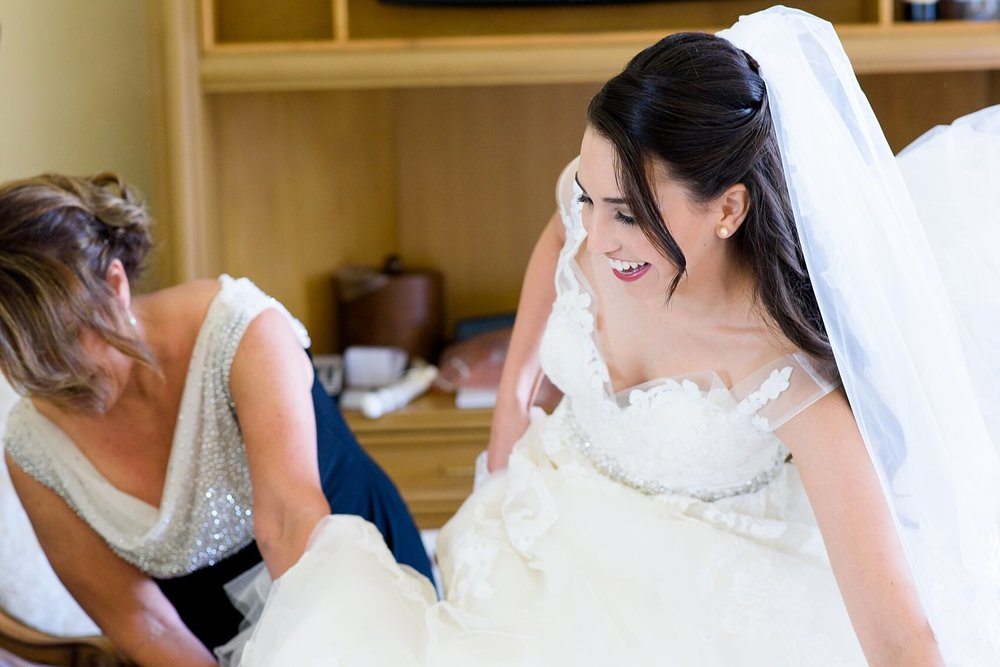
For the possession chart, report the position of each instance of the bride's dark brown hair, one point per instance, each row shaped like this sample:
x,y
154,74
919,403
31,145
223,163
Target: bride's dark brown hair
x,y
697,105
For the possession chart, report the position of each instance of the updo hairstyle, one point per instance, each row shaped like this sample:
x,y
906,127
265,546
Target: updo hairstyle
x,y
58,236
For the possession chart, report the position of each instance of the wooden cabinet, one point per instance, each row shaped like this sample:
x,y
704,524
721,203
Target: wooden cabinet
x,y
429,449
295,137
347,44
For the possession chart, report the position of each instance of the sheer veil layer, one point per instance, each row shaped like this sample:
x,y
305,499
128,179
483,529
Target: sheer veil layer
x,y
913,330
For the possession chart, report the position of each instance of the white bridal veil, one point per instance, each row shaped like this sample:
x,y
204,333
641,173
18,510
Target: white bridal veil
x,y
913,325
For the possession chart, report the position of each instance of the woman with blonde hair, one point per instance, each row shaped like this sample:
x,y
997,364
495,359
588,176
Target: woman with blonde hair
x,y
166,442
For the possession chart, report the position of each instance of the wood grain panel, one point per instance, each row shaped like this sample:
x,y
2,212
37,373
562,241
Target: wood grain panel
x,y
181,143
433,470
305,185
994,94
476,177
907,105
375,19
267,21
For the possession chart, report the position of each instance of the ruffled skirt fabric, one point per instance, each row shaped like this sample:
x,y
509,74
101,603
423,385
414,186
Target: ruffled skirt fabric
x,y
550,563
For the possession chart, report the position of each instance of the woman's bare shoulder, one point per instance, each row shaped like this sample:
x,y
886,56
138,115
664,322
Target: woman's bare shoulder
x,y
184,303
173,316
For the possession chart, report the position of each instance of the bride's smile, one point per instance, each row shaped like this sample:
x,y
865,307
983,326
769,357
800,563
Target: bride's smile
x,y
628,271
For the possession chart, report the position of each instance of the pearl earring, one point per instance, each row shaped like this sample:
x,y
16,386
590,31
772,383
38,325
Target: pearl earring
x,y
722,232
131,319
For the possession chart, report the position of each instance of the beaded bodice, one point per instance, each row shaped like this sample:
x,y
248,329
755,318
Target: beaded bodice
x,y
206,512
689,434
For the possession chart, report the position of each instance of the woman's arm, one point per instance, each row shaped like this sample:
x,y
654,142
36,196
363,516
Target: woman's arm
x,y
860,536
127,605
522,369
271,384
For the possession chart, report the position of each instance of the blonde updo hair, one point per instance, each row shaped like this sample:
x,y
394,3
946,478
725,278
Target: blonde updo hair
x,y
58,236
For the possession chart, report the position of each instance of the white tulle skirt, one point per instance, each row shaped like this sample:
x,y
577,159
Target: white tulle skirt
x,y
549,563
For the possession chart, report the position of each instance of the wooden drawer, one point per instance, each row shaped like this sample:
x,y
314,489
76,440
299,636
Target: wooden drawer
x,y
429,450
433,470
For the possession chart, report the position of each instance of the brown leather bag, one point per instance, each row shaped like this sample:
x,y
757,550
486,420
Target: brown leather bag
x,y
390,307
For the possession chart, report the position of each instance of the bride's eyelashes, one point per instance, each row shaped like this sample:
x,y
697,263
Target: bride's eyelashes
x,y
624,219
584,199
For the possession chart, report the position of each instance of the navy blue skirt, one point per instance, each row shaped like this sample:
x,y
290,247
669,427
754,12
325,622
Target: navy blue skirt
x,y
353,484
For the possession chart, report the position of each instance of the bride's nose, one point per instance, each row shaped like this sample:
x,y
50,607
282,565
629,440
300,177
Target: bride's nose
x,y
601,237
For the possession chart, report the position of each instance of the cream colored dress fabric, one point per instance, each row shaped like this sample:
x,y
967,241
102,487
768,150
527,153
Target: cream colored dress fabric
x,y
661,525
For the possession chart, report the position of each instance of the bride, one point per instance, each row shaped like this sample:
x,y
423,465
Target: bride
x,y
771,449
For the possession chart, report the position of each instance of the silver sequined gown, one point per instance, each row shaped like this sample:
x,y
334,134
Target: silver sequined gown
x,y
661,525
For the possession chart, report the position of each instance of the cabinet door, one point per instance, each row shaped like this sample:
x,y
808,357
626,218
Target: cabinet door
x,y
432,468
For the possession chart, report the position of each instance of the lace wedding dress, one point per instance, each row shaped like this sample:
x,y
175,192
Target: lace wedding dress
x,y
661,525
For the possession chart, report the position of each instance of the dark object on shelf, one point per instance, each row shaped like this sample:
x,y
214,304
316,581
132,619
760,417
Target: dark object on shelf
x,y
473,326
969,10
511,3
392,307
920,10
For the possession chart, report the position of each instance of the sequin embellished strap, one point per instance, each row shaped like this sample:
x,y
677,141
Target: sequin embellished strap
x,y
239,302
243,300
22,446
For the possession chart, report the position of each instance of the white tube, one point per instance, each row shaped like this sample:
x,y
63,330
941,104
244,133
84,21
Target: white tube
x,y
378,402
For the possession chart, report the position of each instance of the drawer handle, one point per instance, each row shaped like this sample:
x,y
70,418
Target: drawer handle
x,y
458,471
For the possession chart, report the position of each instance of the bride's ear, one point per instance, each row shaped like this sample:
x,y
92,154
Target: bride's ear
x,y
733,205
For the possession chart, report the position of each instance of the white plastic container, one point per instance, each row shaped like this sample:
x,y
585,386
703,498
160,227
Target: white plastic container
x,y
368,367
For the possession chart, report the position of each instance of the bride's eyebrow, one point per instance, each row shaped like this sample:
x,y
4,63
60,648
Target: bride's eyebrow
x,y
606,200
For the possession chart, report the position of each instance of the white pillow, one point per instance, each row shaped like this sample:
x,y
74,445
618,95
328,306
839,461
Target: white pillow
x,y
29,589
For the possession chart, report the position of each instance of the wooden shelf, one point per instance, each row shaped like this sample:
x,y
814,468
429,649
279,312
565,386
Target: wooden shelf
x,y
432,412
536,59
909,47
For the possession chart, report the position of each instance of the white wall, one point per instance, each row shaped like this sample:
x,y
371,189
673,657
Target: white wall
x,y
74,91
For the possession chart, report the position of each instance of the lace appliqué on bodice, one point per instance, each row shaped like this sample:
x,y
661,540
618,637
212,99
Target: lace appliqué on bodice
x,y
688,435
206,513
